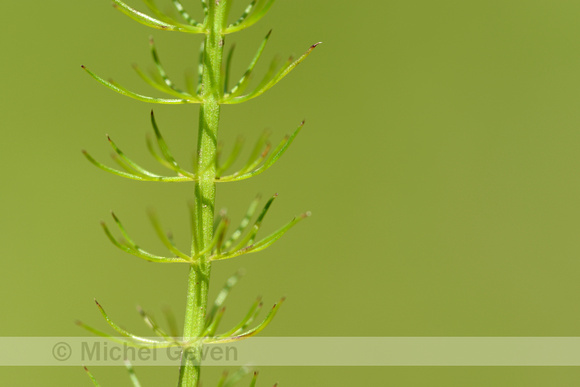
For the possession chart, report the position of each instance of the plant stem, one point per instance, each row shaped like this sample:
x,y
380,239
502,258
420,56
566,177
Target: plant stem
x,y
205,190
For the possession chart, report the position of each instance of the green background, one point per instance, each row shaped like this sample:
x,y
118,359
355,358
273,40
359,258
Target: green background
x,y
439,159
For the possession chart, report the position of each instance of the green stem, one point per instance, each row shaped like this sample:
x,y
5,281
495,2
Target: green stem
x,y
205,189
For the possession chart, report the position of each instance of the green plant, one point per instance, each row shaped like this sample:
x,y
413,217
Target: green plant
x,y
210,238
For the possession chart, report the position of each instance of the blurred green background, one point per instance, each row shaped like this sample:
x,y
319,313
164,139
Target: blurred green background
x,y
439,159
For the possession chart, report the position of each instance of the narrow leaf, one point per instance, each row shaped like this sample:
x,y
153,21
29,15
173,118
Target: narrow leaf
x,y
238,145
269,240
256,227
160,14
244,223
247,320
126,167
131,163
245,14
223,294
121,90
264,243
236,377
200,67
254,379
165,150
228,67
251,332
155,155
107,336
112,170
243,82
152,22
214,323
137,251
123,231
289,66
163,74
171,321
153,325
132,374
276,154
253,18
121,331
179,7
254,157
91,377
164,239
161,86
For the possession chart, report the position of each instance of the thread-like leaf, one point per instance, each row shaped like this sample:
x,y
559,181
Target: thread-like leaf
x,y
221,237
112,170
244,223
221,229
234,378
247,320
223,294
243,82
152,22
171,321
123,332
269,240
214,323
274,156
121,90
150,322
107,336
200,67
192,221
161,85
289,66
257,224
160,14
131,163
137,251
245,14
171,88
156,155
251,332
264,243
223,379
238,145
254,379
91,377
124,231
227,69
124,166
257,153
251,15
163,237
133,176
165,150
132,374
179,7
